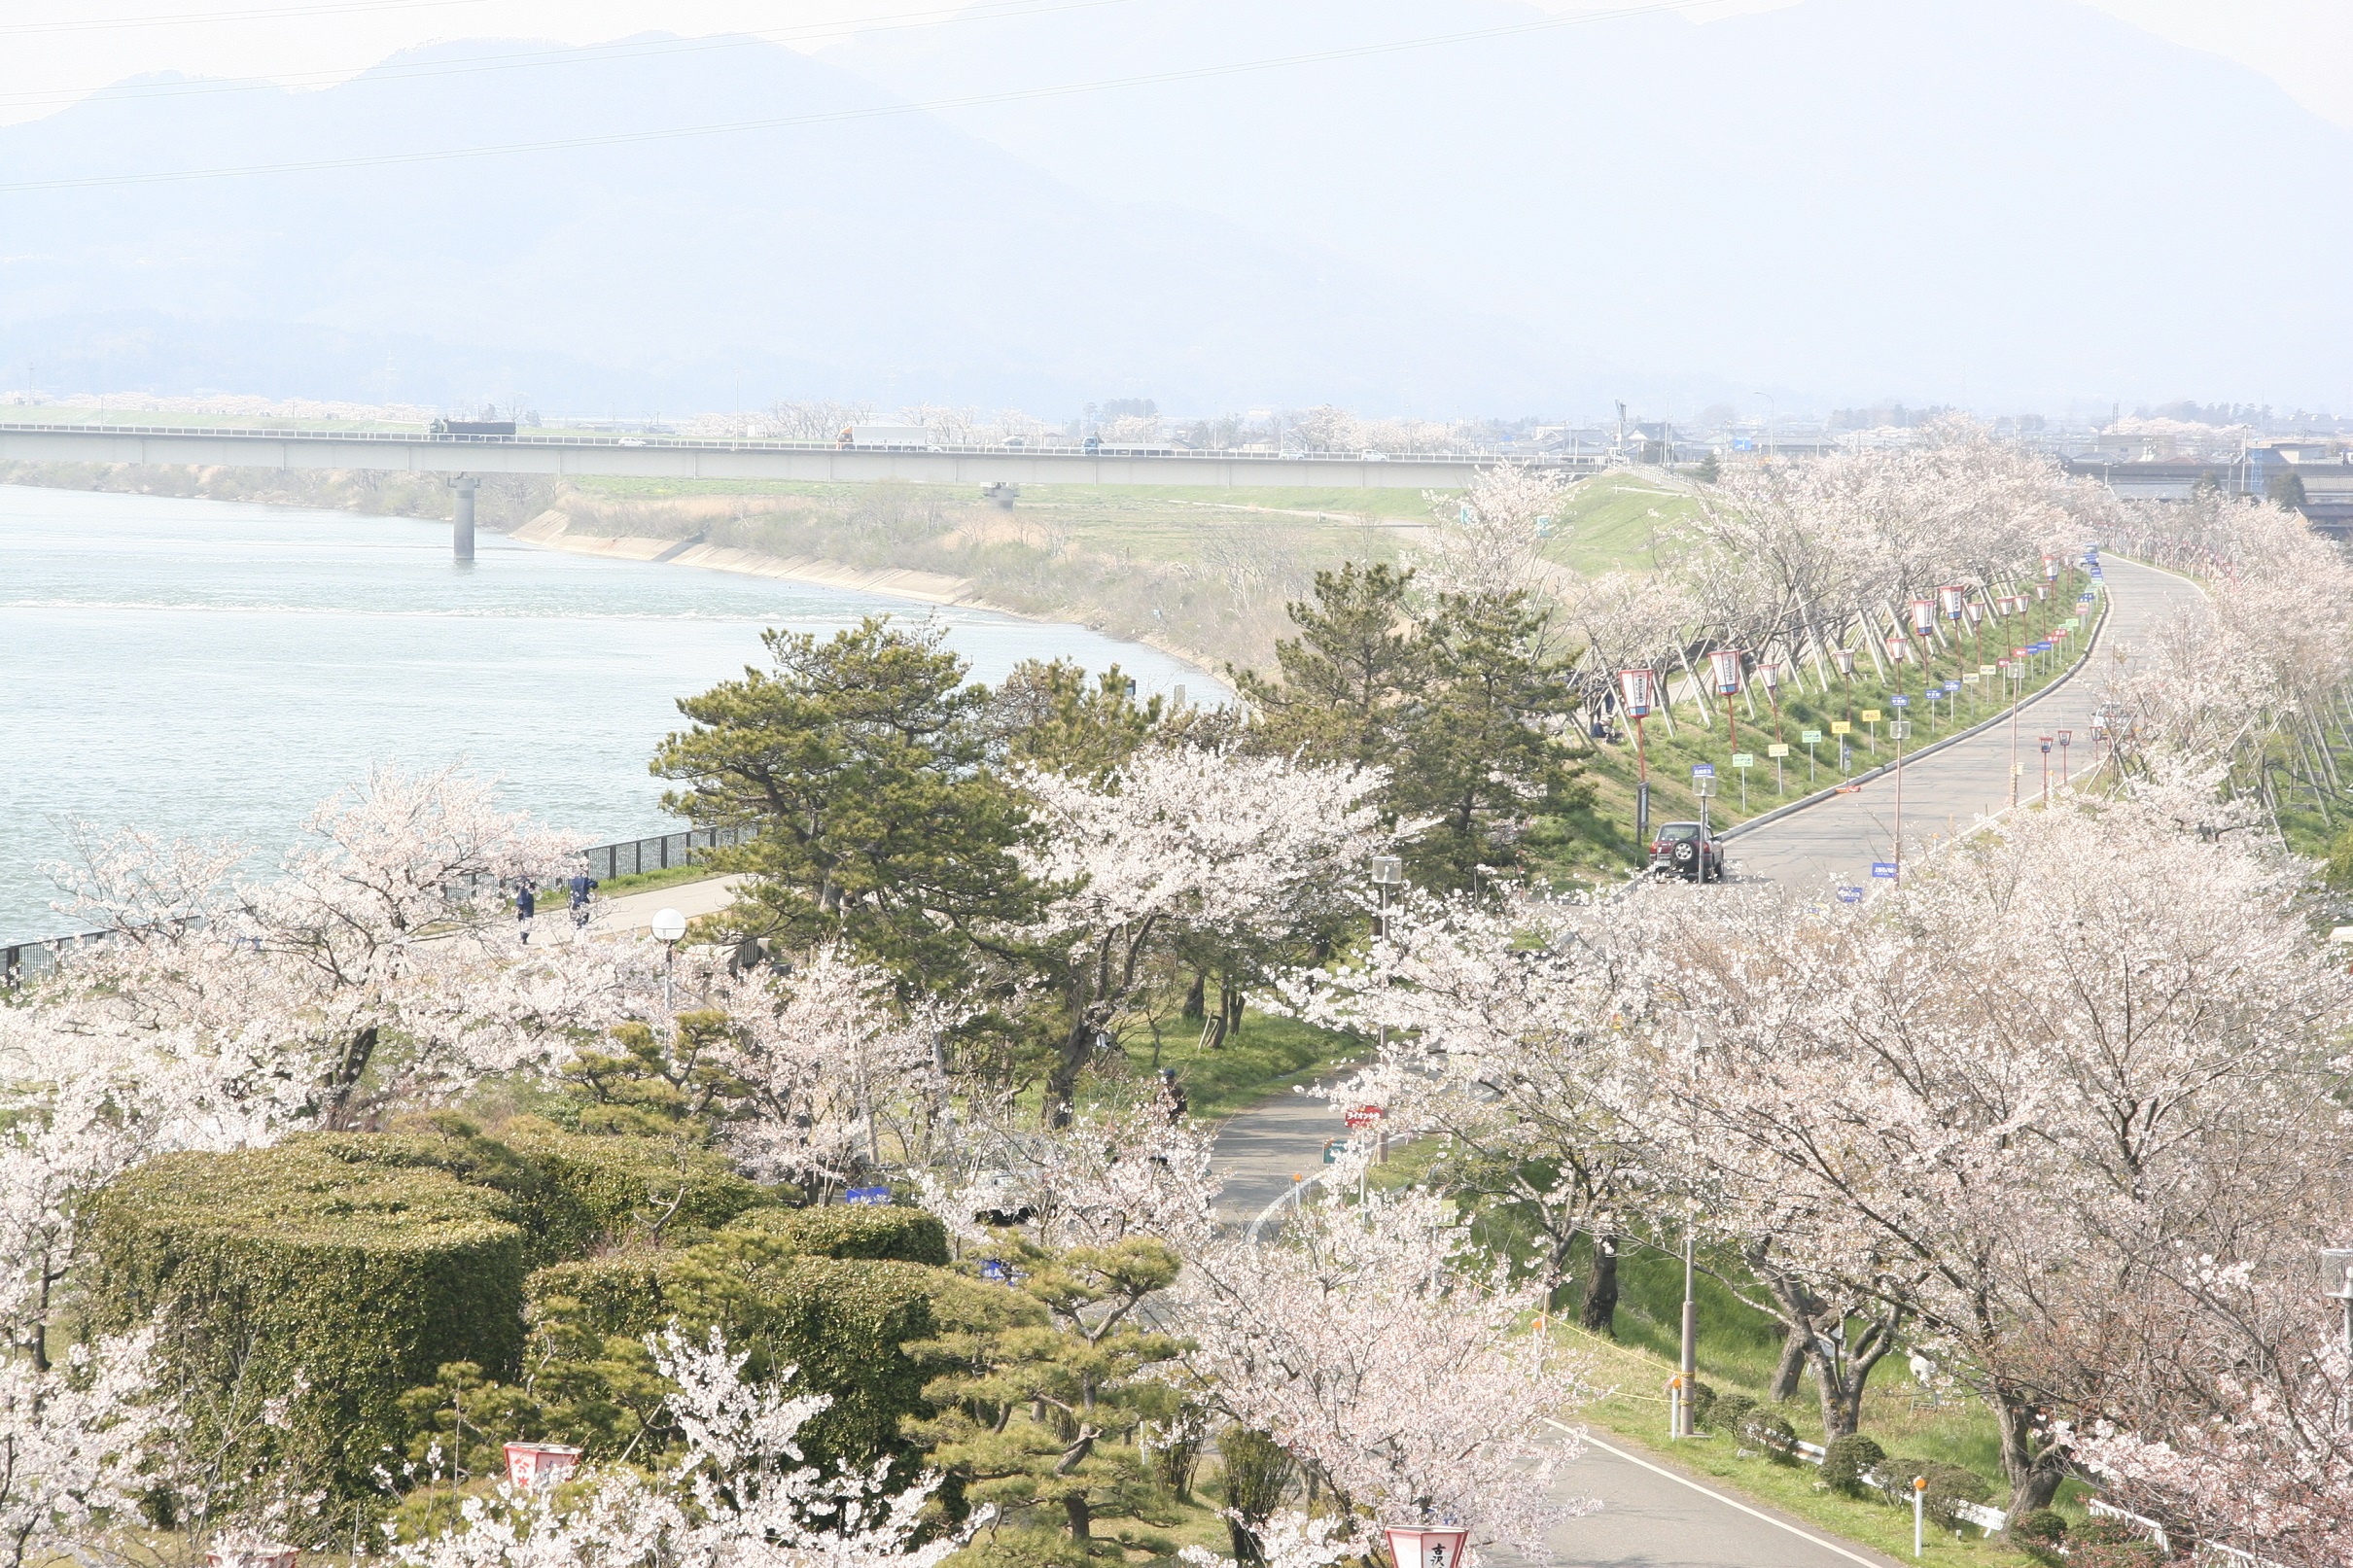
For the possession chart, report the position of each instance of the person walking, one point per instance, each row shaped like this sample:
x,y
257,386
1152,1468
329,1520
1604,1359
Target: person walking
x,y
526,905
580,887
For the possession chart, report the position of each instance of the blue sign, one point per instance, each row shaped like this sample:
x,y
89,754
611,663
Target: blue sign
x,y
1885,870
1900,700
2040,647
995,1269
1702,770
880,1195
1741,443
1848,894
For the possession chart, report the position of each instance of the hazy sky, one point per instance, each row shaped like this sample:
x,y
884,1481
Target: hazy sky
x,y
76,46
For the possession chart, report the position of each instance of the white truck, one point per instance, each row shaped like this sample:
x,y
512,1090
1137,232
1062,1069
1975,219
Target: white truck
x,y
885,439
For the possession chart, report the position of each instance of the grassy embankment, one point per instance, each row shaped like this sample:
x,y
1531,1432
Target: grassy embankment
x,y
1605,834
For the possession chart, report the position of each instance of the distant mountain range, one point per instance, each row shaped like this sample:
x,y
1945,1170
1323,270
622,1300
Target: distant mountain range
x,y
1456,207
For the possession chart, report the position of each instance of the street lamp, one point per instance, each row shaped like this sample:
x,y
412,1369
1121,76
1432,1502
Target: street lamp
x,y
1637,694
1953,600
1425,1546
2066,738
668,927
1899,650
2045,740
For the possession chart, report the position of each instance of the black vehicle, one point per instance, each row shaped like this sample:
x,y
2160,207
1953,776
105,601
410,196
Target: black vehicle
x,y
1683,848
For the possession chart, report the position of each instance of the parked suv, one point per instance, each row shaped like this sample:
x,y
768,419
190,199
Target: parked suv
x,y
1682,847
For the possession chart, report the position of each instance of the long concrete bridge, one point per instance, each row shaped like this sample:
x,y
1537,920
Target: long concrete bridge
x,y
667,457
467,458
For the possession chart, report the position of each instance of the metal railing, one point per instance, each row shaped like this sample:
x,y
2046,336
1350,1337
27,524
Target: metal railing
x,y
623,858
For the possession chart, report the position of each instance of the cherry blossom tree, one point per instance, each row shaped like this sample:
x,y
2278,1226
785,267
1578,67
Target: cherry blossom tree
x,y
1231,848
1369,1345
1488,540
73,1439
2003,1095
1109,1176
742,1495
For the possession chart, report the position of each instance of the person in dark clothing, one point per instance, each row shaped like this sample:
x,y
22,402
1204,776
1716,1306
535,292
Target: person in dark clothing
x,y
580,887
526,905
1169,1099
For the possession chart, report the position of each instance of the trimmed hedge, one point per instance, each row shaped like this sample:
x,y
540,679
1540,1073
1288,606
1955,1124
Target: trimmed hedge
x,y
607,1186
854,1230
842,1322
304,1270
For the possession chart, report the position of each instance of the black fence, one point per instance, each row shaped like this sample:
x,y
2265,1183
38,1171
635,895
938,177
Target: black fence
x,y
628,858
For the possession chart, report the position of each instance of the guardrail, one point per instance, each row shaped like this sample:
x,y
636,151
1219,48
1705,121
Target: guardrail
x,y
622,857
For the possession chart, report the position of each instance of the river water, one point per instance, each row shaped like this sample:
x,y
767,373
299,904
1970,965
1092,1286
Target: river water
x,y
212,670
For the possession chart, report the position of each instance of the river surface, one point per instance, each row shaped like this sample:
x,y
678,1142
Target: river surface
x,y
212,670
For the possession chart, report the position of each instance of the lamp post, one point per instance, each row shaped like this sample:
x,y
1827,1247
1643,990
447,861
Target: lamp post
x,y
1899,650
1388,872
2066,738
1953,598
1703,785
2045,742
668,927
1923,627
1425,1546
1637,694
1976,612
1901,730
2015,670
1689,1365
1724,668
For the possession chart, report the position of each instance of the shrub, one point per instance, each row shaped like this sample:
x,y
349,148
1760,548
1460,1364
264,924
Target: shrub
x,y
612,1187
844,1323
298,1274
1703,1400
1728,1412
1846,1459
1948,1486
1761,1429
846,1230
2041,1534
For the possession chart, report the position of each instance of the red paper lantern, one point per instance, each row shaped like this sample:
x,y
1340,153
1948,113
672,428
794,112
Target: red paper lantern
x,y
1638,691
1899,648
532,1465
1425,1546
1923,616
1724,665
1953,600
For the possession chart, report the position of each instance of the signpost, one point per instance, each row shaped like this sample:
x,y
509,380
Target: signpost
x,y
1741,762
872,1196
1779,753
1885,870
1703,785
1812,737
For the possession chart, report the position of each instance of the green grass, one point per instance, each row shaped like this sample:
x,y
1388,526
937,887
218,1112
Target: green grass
x,y
1617,521
1268,1056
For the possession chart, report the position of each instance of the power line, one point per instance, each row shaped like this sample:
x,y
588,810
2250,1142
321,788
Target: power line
x,y
522,60
871,112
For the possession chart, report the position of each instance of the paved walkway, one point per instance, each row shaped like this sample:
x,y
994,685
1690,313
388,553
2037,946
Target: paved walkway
x,y
1946,791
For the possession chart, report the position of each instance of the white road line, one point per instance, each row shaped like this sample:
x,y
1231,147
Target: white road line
x,y
1686,1481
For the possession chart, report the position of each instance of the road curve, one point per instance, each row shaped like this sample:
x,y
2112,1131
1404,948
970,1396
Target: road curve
x,y
1837,840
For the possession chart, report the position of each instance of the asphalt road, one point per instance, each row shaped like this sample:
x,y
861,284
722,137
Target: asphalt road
x,y
1946,791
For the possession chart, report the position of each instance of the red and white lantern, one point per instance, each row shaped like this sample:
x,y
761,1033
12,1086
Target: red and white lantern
x,y
2049,569
1844,658
1425,1546
1724,666
2042,590
1638,692
1976,612
1923,617
1768,675
532,1465
1899,648
1953,600
245,1549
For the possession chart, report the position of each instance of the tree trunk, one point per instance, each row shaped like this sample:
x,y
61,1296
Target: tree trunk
x,y
1196,999
2034,1479
1083,1518
1599,1314
1784,1383
1229,1006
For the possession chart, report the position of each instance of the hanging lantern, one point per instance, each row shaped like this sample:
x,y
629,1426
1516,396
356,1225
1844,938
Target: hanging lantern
x,y
1768,675
1425,1546
1844,658
1724,665
1638,692
532,1465
244,1548
1923,616
2042,590
1976,612
1899,648
2049,569
1953,600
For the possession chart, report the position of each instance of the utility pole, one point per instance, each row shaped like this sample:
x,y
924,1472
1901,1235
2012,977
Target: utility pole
x,y
1689,1363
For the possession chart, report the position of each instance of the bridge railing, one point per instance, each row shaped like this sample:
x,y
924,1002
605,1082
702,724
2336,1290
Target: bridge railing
x,y
622,857
684,443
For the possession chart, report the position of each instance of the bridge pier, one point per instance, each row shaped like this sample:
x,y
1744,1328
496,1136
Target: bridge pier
x,y
461,527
